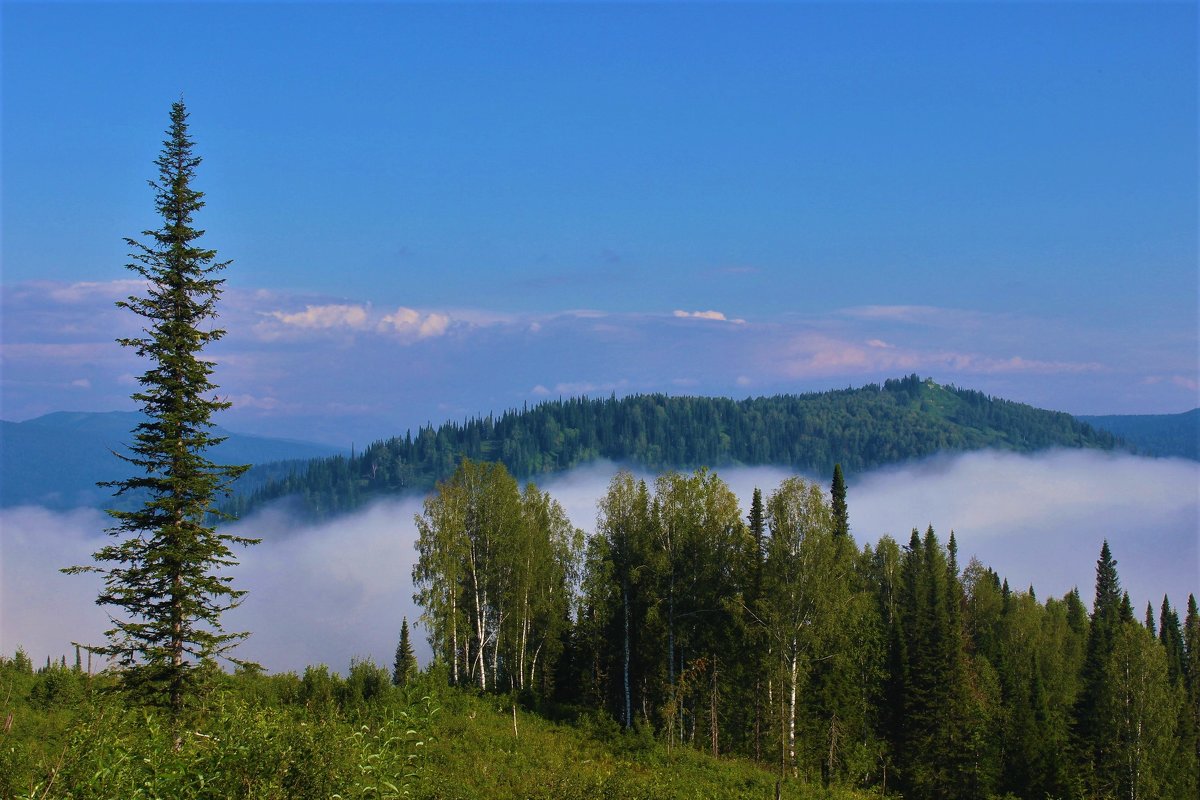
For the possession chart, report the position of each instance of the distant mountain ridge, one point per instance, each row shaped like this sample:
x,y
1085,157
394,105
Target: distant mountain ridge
x,y
863,428
56,460
1155,434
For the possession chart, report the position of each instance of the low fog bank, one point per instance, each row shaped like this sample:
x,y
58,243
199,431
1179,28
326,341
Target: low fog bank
x,y
337,590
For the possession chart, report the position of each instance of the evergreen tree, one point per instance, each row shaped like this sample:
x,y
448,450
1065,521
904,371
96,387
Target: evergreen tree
x,y
1171,636
757,523
406,661
1191,676
163,576
1089,724
841,515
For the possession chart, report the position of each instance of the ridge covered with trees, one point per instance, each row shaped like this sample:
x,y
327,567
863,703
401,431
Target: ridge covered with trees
x,y
860,429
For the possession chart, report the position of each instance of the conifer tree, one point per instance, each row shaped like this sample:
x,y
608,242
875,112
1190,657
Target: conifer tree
x,y
841,515
162,577
1107,613
406,661
757,523
1191,682
1171,636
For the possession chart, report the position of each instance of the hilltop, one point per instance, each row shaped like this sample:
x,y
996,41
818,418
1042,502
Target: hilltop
x,y
861,429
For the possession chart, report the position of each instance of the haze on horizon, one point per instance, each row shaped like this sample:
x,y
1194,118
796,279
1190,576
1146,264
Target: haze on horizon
x,y
335,590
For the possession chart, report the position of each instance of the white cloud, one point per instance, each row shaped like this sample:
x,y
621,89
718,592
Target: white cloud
x,y
894,313
711,315
324,317
410,323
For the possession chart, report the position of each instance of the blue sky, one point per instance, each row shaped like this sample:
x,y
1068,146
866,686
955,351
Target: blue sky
x,y
442,210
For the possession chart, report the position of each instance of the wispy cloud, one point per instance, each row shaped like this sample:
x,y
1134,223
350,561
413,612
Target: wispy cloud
x,y
894,313
286,357
323,317
715,316
410,323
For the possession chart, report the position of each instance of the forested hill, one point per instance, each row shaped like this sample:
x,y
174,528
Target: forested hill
x,y
859,428
1156,434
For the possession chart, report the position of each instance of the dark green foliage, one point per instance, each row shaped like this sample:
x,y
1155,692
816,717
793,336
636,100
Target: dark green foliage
x,y
938,747
856,428
1155,434
406,661
162,578
1090,727
837,493
1191,675
1170,634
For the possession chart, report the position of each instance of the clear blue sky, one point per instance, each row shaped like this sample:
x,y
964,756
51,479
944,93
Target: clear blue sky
x,y
418,197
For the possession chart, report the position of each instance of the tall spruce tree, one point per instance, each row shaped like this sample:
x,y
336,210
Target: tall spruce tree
x,y
163,577
1089,722
837,491
406,661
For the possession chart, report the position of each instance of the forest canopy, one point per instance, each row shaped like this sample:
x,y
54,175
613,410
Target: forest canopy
x,y
862,428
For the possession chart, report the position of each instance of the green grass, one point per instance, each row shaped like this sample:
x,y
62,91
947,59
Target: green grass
x,y
260,737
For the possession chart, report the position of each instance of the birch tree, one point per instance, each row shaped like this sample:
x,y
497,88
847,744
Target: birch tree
x,y
806,588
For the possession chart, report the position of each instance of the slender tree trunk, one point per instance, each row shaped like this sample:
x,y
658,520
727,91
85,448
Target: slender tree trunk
x,y
791,718
496,652
628,699
712,709
480,633
454,635
533,664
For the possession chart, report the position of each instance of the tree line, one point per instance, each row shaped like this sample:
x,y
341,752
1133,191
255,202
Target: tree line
x,y
773,634
858,428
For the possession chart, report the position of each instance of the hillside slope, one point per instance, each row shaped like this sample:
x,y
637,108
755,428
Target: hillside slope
x,y
858,428
55,460
1155,434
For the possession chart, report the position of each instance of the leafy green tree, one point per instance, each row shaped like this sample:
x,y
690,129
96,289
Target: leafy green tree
x,y
406,661
163,577
807,589
494,576
624,521
1138,715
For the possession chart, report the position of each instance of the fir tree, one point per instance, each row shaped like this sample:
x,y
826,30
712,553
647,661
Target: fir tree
x,y
1171,636
841,515
406,661
1089,723
162,578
